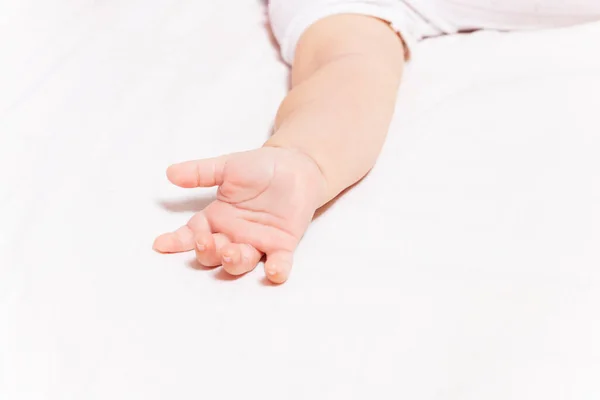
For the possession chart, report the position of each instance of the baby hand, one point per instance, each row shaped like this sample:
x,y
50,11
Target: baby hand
x,y
265,202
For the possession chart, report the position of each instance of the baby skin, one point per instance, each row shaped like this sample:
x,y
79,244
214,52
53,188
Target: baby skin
x,y
328,133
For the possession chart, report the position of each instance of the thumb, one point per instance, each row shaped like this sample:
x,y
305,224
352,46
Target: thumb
x,y
200,173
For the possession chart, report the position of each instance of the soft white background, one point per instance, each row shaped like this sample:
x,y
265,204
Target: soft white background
x,y
466,266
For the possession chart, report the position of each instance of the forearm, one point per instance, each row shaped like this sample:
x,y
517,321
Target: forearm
x,y
344,84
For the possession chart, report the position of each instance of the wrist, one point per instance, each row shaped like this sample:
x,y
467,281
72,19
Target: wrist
x,y
312,170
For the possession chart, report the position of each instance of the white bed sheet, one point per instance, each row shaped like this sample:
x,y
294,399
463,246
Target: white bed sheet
x,y
466,266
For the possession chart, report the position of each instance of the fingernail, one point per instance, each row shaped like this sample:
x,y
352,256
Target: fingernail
x,y
200,247
227,259
272,272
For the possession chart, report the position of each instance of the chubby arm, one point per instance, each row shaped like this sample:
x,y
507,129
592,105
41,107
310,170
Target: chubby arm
x,y
345,79
328,133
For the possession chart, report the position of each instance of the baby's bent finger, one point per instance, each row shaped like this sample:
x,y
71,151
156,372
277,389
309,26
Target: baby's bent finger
x,y
239,259
208,248
279,266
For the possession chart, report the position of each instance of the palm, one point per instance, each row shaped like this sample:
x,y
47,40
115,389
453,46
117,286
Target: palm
x,y
265,201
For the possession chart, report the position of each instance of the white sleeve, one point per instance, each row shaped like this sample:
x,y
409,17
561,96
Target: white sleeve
x,y
290,18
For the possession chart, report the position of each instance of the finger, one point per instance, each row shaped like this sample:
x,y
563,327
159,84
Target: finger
x,y
264,238
175,242
183,238
208,248
239,259
199,173
279,266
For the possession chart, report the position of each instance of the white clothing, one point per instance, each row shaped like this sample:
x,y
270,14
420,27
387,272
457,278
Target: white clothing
x,y
419,19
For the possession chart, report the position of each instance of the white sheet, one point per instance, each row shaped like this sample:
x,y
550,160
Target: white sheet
x,y
466,266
